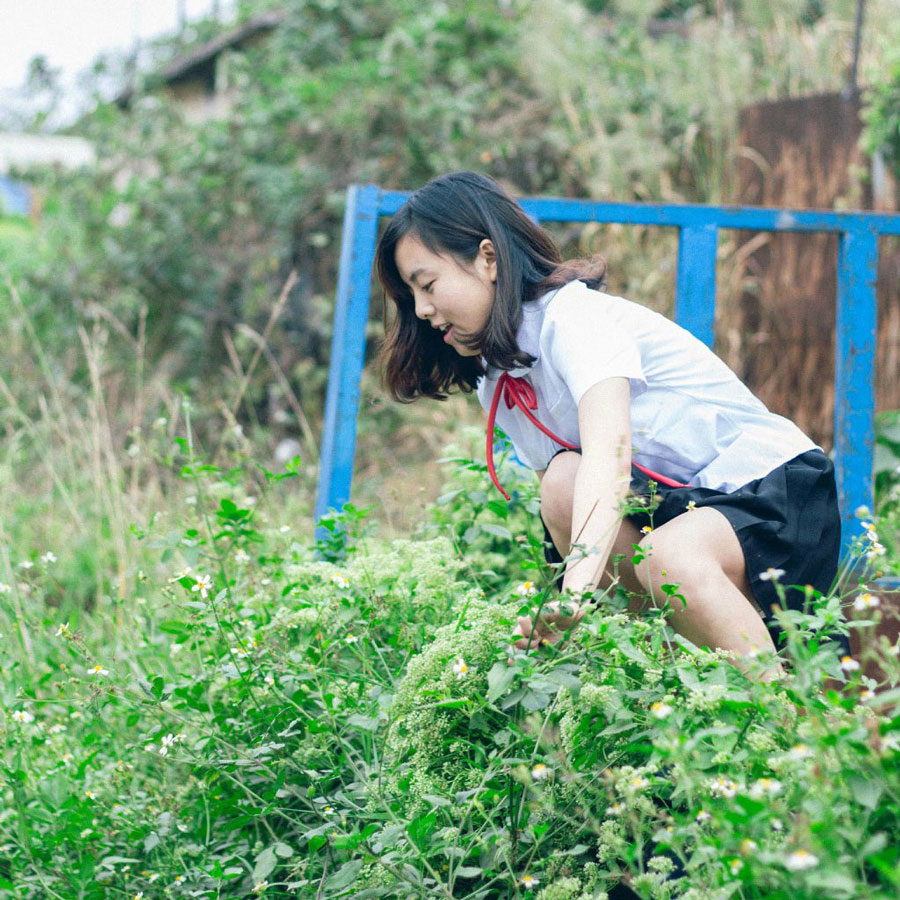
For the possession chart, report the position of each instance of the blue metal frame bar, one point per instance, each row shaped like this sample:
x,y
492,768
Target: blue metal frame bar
x,y
348,344
695,304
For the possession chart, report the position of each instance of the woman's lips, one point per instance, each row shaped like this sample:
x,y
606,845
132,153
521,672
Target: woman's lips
x,y
447,334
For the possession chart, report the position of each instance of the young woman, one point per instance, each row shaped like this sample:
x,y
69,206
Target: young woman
x,y
600,395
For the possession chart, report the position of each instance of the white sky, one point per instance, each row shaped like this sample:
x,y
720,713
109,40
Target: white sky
x,y
71,33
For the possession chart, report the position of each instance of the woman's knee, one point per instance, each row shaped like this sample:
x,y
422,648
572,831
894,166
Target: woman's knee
x,y
666,561
558,490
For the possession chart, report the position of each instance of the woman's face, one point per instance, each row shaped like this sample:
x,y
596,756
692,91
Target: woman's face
x,y
452,296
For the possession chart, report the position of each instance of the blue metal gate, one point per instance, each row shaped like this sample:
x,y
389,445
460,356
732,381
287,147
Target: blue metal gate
x,y
695,305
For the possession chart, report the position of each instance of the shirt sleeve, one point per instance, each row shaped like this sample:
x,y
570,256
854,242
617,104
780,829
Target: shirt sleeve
x,y
586,345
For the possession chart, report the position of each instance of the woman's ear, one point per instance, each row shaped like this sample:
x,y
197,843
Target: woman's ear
x,y
487,259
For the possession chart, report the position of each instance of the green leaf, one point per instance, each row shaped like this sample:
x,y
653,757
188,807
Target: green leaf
x,y
366,723
345,875
264,864
469,871
500,678
496,530
866,791
283,850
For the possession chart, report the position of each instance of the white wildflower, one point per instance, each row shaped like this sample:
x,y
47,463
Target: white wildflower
x,y
735,866
541,772
849,664
48,557
98,670
771,574
615,809
800,860
340,581
691,506
646,529
765,787
204,585
526,589
179,575
748,846
529,881
866,601
22,715
798,751
702,816
660,710
723,787
460,668
241,557
63,630
260,887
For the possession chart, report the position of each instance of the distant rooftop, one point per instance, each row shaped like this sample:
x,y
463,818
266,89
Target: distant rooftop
x,y
199,62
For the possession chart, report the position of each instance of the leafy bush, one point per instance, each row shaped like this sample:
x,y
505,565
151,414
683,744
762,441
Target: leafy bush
x,y
259,721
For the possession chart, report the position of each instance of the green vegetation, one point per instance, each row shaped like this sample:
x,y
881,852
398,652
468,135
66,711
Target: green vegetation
x,y
201,699
260,715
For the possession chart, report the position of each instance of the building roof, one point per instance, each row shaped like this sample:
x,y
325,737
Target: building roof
x,y
195,63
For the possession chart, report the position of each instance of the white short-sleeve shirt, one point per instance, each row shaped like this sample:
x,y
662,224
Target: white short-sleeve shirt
x,y
692,419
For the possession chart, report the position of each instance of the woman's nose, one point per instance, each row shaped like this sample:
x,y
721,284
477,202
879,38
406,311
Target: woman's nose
x,y
424,307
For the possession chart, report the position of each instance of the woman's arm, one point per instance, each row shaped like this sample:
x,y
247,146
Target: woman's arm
x,y
602,481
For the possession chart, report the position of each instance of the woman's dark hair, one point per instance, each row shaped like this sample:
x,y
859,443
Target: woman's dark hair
x,y
453,214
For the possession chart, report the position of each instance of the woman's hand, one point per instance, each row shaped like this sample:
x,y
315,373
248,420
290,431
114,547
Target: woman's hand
x,y
556,618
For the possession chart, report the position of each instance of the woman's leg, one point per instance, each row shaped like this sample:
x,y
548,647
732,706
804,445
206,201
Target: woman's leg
x,y
697,550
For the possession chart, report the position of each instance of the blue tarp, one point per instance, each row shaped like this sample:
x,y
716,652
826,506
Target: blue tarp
x,y
15,197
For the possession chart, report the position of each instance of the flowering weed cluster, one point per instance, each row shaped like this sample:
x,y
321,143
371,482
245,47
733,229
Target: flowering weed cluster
x,y
282,718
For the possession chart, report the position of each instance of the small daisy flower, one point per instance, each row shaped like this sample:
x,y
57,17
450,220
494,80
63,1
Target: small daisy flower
x,y
541,772
90,795
526,589
660,710
866,601
167,742
777,825
748,846
529,881
866,694
771,574
691,506
241,557
269,679
98,670
63,630
722,787
800,860
67,758
58,728
849,664
460,668
765,787
284,529
328,810
179,575
351,638
339,581
702,816
204,585
26,564
152,877
638,782
735,866
179,879
646,529
22,715
260,887
48,557
191,501
615,809
139,896
799,751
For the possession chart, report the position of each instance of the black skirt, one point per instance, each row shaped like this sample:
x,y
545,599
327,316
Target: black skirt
x,y
787,520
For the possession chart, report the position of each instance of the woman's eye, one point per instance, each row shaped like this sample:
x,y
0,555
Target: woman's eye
x,y
427,288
